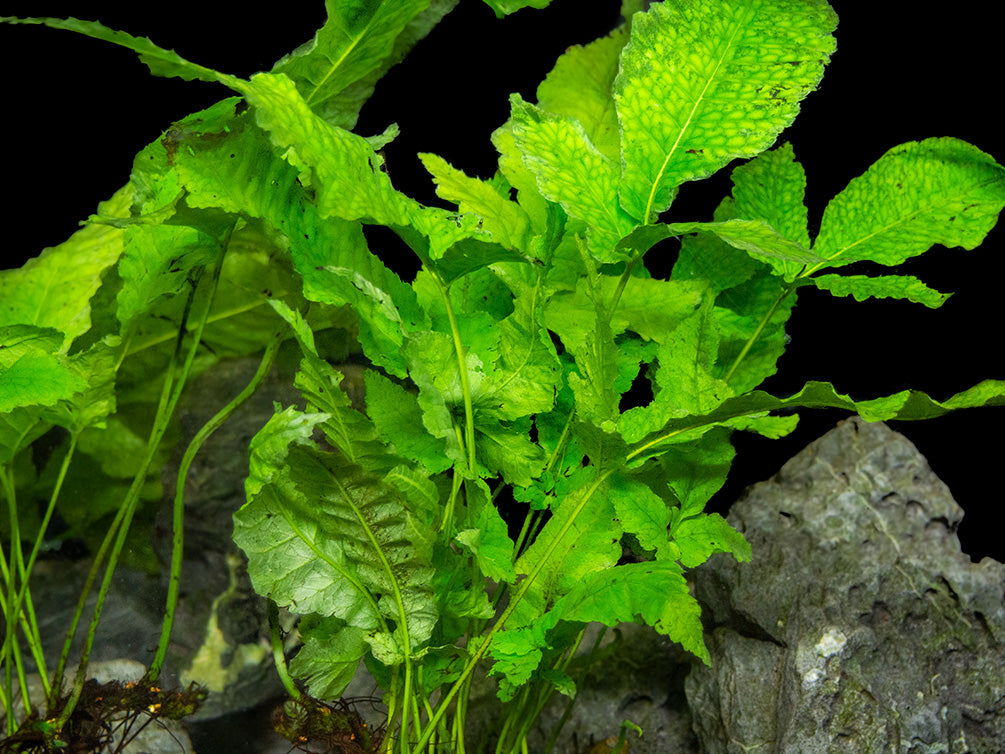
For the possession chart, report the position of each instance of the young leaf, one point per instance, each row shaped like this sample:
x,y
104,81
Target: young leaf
x,y
540,211
706,257
508,451
488,538
697,536
505,7
579,87
641,512
572,172
696,471
651,308
686,359
751,318
156,263
579,539
223,160
882,286
684,383
506,221
346,429
936,191
729,77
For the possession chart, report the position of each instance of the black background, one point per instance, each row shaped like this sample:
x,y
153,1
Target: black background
x,y
76,110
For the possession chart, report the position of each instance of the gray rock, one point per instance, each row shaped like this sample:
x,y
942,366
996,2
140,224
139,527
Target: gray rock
x,y
859,626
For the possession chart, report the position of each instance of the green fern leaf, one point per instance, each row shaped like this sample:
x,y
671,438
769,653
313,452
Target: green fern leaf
x,y
707,81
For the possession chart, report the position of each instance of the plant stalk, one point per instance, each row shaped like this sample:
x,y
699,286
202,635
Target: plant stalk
x,y
178,521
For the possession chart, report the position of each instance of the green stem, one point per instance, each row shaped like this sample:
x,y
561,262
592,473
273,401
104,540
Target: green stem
x,y
469,415
567,712
10,572
510,608
169,400
24,594
178,523
12,601
622,282
278,655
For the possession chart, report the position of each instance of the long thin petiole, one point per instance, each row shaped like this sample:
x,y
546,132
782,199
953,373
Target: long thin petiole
x,y
169,400
178,522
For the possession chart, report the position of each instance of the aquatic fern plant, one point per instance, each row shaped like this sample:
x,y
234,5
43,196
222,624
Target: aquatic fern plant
x,y
498,381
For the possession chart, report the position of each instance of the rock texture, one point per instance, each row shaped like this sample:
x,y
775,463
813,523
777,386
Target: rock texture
x,y
859,626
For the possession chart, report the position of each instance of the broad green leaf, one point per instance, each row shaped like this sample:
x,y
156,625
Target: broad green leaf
x,y
528,370
706,257
488,538
759,240
323,536
579,87
685,362
707,81
342,168
771,187
597,368
348,430
696,537
756,237
516,654
335,71
398,418
936,191
696,471
432,366
641,512
504,220
233,166
751,318
161,62
40,293
421,492
651,308
684,383
470,255
33,376
39,386
508,451
882,286
572,172
157,262
655,594
289,557
579,539
90,407
330,656
512,168
505,7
